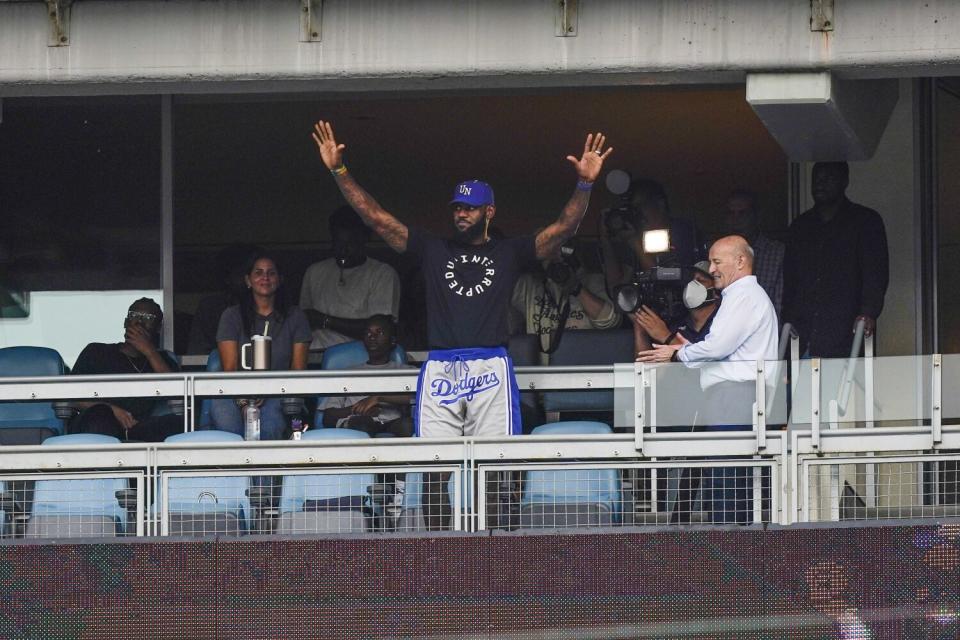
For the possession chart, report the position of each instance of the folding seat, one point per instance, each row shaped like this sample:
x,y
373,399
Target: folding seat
x,y
213,365
410,516
78,508
29,422
575,497
327,503
208,505
587,347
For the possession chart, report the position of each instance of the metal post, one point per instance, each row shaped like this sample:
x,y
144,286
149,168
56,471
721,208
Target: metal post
x,y
166,215
758,494
936,398
141,503
164,506
759,408
835,492
639,405
815,400
480,494
868,402
870,469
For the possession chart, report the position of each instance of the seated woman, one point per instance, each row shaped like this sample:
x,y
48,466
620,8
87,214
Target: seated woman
x,y
263,302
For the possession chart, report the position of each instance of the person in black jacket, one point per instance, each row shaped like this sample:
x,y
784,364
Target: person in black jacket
x,y
836,268
128,418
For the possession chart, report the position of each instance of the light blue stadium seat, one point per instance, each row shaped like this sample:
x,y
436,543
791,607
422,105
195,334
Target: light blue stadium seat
x,y
575,497
204,421
349,355
588,347
29,422
328,503
411,516
79,508
214,505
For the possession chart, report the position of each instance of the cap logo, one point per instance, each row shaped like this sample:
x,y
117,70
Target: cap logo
x,y
465,190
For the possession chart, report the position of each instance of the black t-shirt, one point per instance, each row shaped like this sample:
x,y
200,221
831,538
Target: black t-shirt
x,y
98,358
692,336
468,288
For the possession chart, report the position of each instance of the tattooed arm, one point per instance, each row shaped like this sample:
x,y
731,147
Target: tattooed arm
x,y
393,232
588,168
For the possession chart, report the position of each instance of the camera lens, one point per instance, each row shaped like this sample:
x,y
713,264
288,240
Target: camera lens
x,y
628,298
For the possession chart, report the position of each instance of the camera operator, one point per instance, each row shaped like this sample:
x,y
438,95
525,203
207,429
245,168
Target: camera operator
x,y
563,294
702,300
743,332
646,207
700,297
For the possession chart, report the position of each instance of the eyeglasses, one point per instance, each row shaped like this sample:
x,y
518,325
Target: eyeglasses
x,y
142,316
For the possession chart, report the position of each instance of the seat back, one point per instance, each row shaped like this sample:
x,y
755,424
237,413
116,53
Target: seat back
x,y
326,503
572,427
214,505
353,354
29,422
77,508
213,365
524,349
575,497
164,408
588,347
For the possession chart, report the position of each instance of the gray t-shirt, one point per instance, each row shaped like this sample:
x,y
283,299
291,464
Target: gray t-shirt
x,y
294,328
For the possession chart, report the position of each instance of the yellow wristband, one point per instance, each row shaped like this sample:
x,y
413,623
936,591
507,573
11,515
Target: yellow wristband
x,y
339,171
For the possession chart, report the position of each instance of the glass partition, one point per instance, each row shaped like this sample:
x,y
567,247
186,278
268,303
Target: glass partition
x,y
691,396
888,391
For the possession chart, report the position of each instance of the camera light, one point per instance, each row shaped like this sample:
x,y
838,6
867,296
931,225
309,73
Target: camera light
x,y
656,241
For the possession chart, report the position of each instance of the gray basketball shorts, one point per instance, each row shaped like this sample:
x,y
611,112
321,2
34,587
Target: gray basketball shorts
x,y
467,392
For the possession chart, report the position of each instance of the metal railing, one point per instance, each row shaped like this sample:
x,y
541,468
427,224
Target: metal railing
x,y
850,438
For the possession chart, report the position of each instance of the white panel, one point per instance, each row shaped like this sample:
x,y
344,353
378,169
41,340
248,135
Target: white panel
x,y
69,320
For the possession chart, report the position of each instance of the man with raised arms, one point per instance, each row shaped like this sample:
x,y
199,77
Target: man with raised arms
x,y
467,385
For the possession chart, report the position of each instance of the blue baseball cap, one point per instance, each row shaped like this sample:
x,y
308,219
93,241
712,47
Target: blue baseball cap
x,y
475,193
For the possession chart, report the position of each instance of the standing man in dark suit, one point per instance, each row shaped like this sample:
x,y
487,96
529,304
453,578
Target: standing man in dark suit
x,y
836,268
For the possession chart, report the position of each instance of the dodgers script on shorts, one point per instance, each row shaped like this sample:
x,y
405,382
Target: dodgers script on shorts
x,y
467,387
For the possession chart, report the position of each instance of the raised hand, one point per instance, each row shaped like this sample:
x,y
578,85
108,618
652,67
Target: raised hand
x,y
140,339
330,152
590,163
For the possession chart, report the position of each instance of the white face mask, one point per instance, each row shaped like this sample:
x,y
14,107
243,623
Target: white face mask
x,y
695,294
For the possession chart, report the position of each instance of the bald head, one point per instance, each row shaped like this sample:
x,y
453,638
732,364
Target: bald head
x,y
731,258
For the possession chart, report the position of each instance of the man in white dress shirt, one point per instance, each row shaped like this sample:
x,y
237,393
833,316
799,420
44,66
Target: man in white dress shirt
x,y
743,331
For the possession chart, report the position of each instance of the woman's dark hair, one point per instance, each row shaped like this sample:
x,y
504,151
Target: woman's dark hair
x,y
248,308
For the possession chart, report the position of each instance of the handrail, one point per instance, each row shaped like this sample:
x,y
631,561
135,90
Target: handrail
x,y
846,385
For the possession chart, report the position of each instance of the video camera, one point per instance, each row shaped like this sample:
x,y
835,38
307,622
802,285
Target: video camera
x,y
660,288
623,215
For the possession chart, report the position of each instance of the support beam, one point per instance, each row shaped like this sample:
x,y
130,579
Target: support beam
x,y
59,13
819,117
311,20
